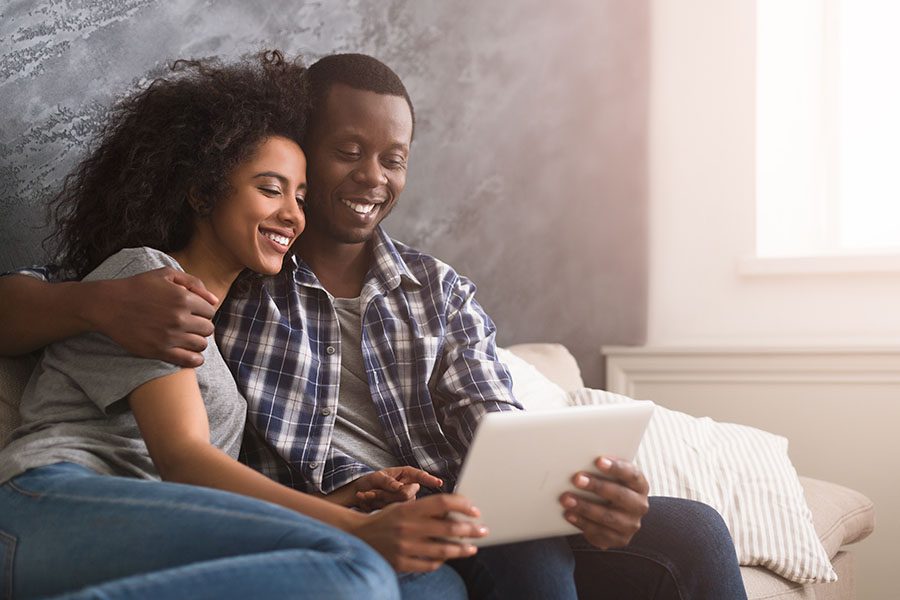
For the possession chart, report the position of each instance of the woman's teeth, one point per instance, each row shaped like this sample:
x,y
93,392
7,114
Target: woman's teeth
x,y
278,239
359,207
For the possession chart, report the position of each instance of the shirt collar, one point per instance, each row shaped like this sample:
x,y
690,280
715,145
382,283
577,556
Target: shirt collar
x,y
388,266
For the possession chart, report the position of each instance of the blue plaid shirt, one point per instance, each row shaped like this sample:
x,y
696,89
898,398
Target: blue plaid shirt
x,y
428,349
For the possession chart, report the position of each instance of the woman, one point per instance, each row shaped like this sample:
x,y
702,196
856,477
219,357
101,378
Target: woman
x,y
201,171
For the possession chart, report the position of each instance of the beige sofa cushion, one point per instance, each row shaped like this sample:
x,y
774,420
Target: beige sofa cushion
x,y
554,361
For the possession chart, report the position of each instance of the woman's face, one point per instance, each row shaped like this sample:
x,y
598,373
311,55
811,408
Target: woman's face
x,y
262,216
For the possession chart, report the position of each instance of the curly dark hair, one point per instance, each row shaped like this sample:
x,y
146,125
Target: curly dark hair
x,y
165,154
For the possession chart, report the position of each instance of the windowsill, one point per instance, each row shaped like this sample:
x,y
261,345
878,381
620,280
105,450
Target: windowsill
x,y
754,266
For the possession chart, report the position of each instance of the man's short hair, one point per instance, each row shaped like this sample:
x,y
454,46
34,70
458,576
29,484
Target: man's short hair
x,y
359,71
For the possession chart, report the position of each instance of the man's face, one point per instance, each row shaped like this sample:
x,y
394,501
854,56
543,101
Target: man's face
x,y
357,153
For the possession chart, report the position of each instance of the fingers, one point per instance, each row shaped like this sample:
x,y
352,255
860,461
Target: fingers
x,y
182,358
378,498
434,550
196,286
603,526
441,504
625,472
612,516
384,481
414,475
613,493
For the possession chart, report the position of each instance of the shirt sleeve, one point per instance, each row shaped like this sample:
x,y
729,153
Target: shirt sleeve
x,y
103,370
473,380
44,273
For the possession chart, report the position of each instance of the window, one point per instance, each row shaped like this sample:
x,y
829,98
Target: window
x,y
828,128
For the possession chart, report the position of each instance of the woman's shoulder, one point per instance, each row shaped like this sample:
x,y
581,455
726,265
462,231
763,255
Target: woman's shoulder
x,y
132,261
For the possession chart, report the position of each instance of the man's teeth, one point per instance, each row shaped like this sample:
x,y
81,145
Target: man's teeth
x,y
278,239
359,207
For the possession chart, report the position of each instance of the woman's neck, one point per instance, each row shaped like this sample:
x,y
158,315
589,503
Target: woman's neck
x,y
197,260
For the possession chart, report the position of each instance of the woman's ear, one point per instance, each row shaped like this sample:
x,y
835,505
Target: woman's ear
x,y
198,202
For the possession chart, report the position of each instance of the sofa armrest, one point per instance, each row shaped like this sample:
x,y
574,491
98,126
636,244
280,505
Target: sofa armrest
x,y
841,516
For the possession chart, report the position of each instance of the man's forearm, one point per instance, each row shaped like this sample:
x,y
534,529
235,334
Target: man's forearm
x,y
36,313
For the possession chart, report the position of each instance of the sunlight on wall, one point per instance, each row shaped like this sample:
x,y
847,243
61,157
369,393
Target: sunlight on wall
x,y
828,128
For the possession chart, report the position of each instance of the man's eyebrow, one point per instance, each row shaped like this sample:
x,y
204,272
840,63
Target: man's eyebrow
x,y
353,135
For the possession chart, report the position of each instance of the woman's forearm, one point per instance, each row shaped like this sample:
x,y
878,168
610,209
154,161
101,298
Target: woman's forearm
x,y
203,464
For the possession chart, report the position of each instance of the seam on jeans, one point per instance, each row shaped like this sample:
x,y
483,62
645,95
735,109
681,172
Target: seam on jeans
x,y
169,505
666,566
345,553
12,484
6,565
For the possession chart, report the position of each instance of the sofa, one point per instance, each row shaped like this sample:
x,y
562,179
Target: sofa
x,y
841,516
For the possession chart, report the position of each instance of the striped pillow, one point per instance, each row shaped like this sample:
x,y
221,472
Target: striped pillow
x,y
742,472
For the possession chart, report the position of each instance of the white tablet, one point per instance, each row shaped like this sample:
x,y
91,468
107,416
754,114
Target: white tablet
x,y
520,462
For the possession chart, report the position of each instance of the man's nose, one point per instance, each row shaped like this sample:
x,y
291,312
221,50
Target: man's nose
x,y
370,173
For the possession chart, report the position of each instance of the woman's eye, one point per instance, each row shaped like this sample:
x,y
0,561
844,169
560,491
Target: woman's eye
x,y
270,191
301,201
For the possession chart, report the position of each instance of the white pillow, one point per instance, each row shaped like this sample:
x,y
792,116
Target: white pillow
x,y
530,387
742,472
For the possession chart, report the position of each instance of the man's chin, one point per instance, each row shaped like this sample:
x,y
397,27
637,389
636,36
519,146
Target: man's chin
x,y
355,236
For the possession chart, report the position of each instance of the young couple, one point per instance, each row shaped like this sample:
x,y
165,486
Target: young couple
x,y
361,365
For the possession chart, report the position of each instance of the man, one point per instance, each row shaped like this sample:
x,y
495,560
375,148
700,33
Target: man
x,y
365,354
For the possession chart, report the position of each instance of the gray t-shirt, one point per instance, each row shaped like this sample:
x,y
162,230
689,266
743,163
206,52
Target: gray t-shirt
x,y
357,431
75,405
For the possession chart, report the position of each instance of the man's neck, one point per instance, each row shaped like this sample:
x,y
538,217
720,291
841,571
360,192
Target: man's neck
x,y
341,268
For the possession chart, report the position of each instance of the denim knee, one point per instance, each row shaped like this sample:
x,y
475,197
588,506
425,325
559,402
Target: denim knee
x,y
707,534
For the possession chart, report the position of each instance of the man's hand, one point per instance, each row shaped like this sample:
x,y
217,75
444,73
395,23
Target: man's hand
x,y
376,490
394,484
614,517
163,314
409,534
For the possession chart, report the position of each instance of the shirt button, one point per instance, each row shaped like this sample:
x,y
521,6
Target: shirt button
x,y
325,412
330,350
313,465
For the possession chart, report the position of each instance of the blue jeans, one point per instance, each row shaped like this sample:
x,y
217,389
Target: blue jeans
x,y
65,530
683,551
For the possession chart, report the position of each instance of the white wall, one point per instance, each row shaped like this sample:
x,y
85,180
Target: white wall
x,y
701,196
701,192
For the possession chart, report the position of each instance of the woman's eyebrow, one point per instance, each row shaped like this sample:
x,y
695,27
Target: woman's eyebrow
x,y
281,178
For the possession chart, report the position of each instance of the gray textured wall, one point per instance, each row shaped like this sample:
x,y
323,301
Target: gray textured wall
x,y
528,170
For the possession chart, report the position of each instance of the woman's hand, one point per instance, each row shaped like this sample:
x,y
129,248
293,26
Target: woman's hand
x,y
376,490
418,536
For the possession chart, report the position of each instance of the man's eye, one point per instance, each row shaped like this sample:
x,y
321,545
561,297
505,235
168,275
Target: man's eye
x,y
349,154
